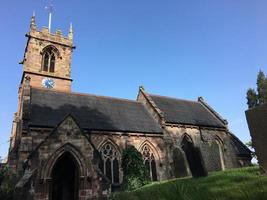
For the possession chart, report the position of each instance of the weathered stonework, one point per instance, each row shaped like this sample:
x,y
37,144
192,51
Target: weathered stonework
x,y
66,138
257,123
121,140
216,145
88,133
38,42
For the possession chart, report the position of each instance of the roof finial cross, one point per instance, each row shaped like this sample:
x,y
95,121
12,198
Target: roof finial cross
x,y
50,9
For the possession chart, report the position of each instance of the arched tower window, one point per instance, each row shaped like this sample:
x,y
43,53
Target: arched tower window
x,y
149,161
49,59
110,165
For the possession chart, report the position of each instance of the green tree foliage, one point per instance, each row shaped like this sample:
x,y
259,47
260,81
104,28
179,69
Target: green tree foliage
x,y
7,183
261,87
260,97
135,173
252,99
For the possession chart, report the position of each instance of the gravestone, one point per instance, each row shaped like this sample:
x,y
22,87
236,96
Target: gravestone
x,y
257,123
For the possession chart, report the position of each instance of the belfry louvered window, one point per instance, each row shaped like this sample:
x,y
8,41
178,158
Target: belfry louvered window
x,y
49,59
149,161
110,162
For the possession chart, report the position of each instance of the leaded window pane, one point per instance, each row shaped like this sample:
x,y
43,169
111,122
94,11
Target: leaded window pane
x,y
49,60
154,170
147,164
52,63
46,61
108,169
116,170
101,165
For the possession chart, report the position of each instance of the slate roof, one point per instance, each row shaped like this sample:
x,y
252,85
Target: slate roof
x,y
242,149
48,108
186,112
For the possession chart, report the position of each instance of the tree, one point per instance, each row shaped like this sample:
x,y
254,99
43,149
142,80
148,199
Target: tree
x,y
261,87
7,183
135,173
251,98
260,97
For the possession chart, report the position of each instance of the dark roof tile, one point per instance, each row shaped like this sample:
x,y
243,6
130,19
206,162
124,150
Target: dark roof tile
x,y
92,112
185,112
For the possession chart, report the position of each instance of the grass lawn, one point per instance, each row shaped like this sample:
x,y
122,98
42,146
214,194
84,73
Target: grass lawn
x,y
243,183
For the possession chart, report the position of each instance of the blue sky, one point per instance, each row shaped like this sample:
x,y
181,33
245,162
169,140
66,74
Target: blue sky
x,y
178,48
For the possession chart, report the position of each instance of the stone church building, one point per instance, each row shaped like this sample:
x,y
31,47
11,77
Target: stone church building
x,y
68,145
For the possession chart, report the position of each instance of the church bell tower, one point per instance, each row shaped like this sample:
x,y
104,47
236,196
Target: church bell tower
x,y
47,59
46,64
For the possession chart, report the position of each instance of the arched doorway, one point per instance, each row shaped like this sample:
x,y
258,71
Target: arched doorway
x,y
194,157
65,178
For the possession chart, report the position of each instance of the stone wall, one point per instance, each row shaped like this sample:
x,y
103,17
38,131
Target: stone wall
x,y
121,140
33,58
37,41
63,85
216,148
40,160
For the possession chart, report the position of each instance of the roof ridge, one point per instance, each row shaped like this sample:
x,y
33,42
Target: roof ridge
x,y
174,98
87,94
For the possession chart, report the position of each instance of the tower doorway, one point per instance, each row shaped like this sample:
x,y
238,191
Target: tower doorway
x,y
65,178
194,157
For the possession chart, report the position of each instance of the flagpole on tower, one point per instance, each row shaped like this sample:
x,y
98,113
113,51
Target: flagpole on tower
x,y
49,8
49,22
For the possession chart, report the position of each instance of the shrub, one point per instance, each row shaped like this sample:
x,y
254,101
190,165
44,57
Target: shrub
x,y
7,183
135,173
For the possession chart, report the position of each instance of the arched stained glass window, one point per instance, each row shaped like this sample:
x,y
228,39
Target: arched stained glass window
x,y
110,164
149,161
49,60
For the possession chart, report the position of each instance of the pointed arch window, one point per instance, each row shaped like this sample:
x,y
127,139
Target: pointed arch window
x,y
149,161
49,60
220,146
110,162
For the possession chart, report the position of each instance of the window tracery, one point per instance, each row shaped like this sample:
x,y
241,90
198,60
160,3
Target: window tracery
x,y
110,165
49,60
149,161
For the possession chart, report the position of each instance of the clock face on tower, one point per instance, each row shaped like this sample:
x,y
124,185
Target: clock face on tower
x,y
48,83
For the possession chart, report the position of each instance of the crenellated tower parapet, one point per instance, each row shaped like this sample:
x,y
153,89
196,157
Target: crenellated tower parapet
x,y
47,58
